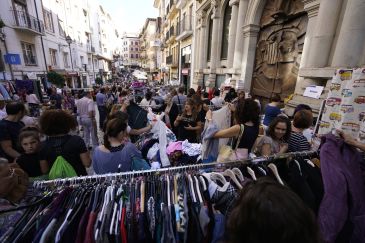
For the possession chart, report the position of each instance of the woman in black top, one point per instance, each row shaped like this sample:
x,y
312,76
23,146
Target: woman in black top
x,y
188,123
56,124
247,114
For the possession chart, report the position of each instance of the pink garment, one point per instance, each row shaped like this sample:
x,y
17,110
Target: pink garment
x,y
174,146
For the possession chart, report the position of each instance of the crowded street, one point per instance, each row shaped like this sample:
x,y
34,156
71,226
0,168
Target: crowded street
x,y
190,121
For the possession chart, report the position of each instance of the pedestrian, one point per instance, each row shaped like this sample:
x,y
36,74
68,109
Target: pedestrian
x,y
272,110
101,103
30,160
2,108
180,99
56,99
86,113
33,103
217,101
275,140
10,128
56,125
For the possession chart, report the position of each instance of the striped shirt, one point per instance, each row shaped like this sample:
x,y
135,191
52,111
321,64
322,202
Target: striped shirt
x,y
298,142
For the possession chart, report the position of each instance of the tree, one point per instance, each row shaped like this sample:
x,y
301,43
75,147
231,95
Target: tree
x,y
98,81
56,78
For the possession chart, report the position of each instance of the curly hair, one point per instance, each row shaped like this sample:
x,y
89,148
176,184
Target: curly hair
x,y
247,110
57,122
271,129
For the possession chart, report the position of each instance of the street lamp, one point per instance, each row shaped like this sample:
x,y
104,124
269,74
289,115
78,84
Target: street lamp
x,y
69,41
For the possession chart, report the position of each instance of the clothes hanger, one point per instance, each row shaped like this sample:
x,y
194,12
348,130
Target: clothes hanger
x,y
142,195
310,163
251,173
191,186
229,173
274,169
168,191
198,190
300,168
238,174
202,181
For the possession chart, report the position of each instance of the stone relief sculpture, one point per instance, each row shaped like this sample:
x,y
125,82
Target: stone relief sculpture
x,y
279,48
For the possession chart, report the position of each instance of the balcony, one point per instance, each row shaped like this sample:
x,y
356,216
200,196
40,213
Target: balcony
x,y
170,35
184,28
171,61
25,22
30,60
171,10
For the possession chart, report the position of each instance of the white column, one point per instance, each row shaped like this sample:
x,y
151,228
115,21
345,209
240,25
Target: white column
x,y
232,31
350,43
325,29
250,33
238,50
215,40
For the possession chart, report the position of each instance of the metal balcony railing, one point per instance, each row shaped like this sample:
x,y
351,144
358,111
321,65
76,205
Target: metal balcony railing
x,y
23,20
30,60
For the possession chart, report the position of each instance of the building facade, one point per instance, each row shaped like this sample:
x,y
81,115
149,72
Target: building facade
x,y
75,39
150,48
269,47
130,51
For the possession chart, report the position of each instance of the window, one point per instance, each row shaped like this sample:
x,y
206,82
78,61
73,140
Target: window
x,y
225,34
132,56
65,60
210,29
136,55
53,56
136,49
81,60
105,50
61,29
29,54
48,22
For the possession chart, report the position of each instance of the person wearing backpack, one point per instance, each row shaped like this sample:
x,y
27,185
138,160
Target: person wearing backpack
x,y
67,150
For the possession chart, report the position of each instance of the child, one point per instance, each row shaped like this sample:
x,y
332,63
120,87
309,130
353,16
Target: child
x,y
29,160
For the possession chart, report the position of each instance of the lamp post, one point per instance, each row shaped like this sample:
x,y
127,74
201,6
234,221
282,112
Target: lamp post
x,y
69,41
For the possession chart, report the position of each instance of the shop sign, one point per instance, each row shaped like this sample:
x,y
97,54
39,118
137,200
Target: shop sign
x,y
13,59
185,71
313,91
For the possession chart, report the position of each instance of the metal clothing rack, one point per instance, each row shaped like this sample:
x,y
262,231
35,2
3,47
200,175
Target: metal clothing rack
x,y
257,160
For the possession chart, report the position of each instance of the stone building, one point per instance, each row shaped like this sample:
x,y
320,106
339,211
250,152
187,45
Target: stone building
x,y
277,46
37,31
149,48
130,51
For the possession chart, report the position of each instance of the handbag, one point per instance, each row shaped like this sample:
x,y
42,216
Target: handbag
x,y
227,153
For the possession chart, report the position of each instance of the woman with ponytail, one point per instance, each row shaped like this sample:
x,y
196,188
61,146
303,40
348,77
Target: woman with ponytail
x,y
117,153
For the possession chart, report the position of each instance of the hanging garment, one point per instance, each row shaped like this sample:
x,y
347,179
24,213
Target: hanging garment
x,y
222,117
210,146
341,215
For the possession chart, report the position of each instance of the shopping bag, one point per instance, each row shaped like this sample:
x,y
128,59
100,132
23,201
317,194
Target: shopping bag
x,y
227,153
61,169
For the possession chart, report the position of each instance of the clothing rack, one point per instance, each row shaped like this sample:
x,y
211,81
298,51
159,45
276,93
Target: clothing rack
x,y
75,180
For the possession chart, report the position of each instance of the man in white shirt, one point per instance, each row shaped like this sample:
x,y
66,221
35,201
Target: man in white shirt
x,y
86,112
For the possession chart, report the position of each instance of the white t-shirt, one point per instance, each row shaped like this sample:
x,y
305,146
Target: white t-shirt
x,y
84,106
32,99
145,102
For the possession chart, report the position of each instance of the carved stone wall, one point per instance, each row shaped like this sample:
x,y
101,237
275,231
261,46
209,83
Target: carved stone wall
x,y
279,48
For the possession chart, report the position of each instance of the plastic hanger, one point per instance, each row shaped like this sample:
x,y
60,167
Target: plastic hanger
x,y
202,181
143,191
310,163
198,190
251,173
274,169
192,188
168,191
238,174
300,168
218,177
231,175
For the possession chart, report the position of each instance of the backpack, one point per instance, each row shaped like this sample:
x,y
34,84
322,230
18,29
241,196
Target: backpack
x,y
61,169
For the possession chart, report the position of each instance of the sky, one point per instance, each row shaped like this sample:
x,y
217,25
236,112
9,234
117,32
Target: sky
x,y
129,15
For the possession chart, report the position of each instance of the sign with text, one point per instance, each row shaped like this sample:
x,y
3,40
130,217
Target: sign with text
x,y
313,91
13,59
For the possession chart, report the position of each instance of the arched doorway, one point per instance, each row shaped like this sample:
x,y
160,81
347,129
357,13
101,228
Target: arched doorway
x,y
279,48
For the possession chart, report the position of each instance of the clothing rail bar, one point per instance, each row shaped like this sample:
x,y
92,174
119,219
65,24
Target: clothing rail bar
x,y
75,180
